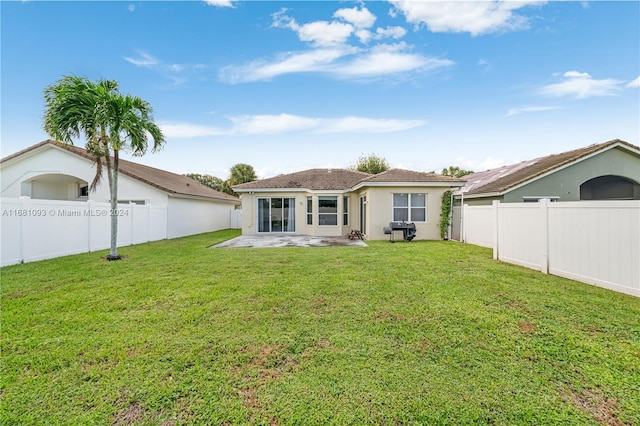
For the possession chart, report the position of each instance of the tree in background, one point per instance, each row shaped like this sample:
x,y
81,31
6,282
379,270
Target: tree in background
x,y
371,163
212,182
455,171
241,173
76,107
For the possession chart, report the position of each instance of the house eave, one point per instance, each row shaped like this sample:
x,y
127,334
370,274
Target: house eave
x,y
482,195
292,190
201,198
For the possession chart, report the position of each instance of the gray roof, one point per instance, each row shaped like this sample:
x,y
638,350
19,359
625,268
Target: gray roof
x,y
342,179
166,181
401,175
502,179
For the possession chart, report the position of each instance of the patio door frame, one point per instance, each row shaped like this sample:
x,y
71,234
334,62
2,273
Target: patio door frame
x,y
363,214
272,218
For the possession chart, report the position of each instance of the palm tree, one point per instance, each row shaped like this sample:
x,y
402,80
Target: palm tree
x,y
76,107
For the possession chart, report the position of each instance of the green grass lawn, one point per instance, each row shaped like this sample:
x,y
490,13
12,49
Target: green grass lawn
x,y
408,333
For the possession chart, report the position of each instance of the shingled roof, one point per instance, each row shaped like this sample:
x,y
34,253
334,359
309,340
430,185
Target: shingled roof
x,y
500,180
313,179
342,179
166,181
401,175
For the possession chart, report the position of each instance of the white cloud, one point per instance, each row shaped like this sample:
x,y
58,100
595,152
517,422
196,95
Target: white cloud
x,y
143,60
270,124
526,109
174,72
323,33
389,59
390,32
581,86
332,54
474,17
360,18
131,7
311,61
319,33
633,84
220,3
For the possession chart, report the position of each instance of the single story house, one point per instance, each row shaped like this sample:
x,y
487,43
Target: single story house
x,y
605,171
52,170
334,202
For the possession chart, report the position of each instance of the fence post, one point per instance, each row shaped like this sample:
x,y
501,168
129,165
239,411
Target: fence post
x,y
496,226
544,209
463,222
88,214
26,204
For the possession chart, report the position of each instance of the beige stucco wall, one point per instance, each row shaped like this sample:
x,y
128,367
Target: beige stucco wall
x,y
382,213
379,212
250,213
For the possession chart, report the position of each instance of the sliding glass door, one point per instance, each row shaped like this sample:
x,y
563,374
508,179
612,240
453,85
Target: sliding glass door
x,y
276,215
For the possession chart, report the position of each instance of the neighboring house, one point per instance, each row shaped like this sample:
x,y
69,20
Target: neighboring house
x,y
55,171
334,202
605,171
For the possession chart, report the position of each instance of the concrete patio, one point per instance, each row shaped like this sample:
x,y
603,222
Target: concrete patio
x,y
288,241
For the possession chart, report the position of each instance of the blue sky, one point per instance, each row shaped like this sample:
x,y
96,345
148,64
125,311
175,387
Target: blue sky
x,y
286,86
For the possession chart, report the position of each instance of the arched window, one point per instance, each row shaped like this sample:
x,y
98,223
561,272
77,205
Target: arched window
x,y
610,187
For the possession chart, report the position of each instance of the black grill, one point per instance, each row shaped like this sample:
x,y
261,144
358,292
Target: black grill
x,y
408,230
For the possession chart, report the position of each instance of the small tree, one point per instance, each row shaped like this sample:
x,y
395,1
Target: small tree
x,y
212,182
455,171
371,163
241,173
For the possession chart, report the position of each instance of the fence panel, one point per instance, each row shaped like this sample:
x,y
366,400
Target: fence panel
x,y
596,242
11,241
520,234
479,225
236,219
35,229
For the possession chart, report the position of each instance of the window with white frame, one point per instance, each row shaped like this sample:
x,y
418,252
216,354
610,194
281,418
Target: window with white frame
x,y
309,210
409,207
345,211
327,211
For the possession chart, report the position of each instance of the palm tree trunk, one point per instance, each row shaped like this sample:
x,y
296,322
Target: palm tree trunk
x,y
113,188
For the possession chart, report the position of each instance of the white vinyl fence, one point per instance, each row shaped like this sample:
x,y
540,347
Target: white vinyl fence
x,y
596,242
236,219
43,229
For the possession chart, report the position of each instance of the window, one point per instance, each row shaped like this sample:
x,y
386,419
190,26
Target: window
x,y
309,210
409,207
345,211
83,191
138,202
327,211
